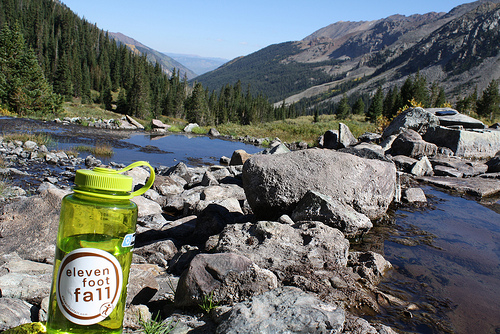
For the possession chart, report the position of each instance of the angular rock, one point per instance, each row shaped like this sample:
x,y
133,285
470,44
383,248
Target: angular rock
x,y
276,246
209,180
142,283
369,137
450,117
369,265
318,207
14,312
134,122
423,167
414,195
179,171
159,124
464,167
239,157
367,151
274,184
494,164
213,132
466,143
404,163
475,186
284,310
417,119
447,171
346,138
277,149
410,143
159,252
181,260
226,277
165,185
330,139
146,207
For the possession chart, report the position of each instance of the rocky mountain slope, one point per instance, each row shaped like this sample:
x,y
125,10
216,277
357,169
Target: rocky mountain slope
x,y
460,49
167,63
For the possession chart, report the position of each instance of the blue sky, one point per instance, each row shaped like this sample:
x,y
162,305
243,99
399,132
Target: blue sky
x,y
228,29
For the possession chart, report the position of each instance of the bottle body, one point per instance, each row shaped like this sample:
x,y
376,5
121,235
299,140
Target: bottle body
x,y
92,263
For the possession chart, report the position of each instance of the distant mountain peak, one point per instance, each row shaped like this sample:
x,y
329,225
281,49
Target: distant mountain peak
x,y
167,63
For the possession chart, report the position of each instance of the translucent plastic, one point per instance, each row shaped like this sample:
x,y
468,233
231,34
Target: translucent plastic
x,y
95,224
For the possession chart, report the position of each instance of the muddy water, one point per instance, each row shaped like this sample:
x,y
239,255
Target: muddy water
x,y
447,265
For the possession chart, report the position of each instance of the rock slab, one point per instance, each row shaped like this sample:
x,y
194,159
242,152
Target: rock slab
x,y
284,310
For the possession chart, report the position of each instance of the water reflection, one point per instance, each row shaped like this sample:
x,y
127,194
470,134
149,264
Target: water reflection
x,y
447,262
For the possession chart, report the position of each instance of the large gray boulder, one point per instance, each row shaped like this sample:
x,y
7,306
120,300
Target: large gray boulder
x,y
284,310
274,184
417,119
276,246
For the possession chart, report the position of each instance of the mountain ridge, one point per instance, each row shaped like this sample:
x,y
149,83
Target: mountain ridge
x,y
167,63
364,55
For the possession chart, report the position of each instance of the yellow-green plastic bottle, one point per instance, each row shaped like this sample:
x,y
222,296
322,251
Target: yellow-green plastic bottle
x,y
94,252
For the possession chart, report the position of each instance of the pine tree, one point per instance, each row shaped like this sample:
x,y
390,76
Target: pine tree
x,y
343,108
489,103
23,87
376,106
359,107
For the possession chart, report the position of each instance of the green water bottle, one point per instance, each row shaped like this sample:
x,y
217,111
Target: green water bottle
x,y
94,252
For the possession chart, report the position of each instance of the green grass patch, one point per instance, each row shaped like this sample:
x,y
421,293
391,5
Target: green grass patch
x,y
100,150
299,129
174,128
75,109
199,130
208,303
4,185
155,326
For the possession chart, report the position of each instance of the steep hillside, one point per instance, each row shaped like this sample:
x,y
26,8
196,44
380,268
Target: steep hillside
x,y
167,63
269,72
356,57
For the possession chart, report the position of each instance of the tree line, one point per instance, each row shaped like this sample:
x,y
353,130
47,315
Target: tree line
x,y
415,91
77,60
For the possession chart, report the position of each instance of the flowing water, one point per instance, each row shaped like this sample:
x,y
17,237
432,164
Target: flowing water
x,y
446,255
447,263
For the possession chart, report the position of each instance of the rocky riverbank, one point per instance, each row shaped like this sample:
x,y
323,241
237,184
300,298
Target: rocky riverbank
x,y
265,238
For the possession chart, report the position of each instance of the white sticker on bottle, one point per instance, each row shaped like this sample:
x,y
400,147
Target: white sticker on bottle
x,y
89,285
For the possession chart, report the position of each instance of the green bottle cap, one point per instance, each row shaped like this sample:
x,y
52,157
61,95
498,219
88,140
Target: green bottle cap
x,y
100,182
105,179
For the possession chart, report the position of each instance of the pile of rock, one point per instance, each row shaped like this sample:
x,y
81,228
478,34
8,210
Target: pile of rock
x,y
204,232
266,237
124,123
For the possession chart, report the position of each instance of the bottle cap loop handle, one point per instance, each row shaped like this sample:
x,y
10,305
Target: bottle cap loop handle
x,y
150,181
